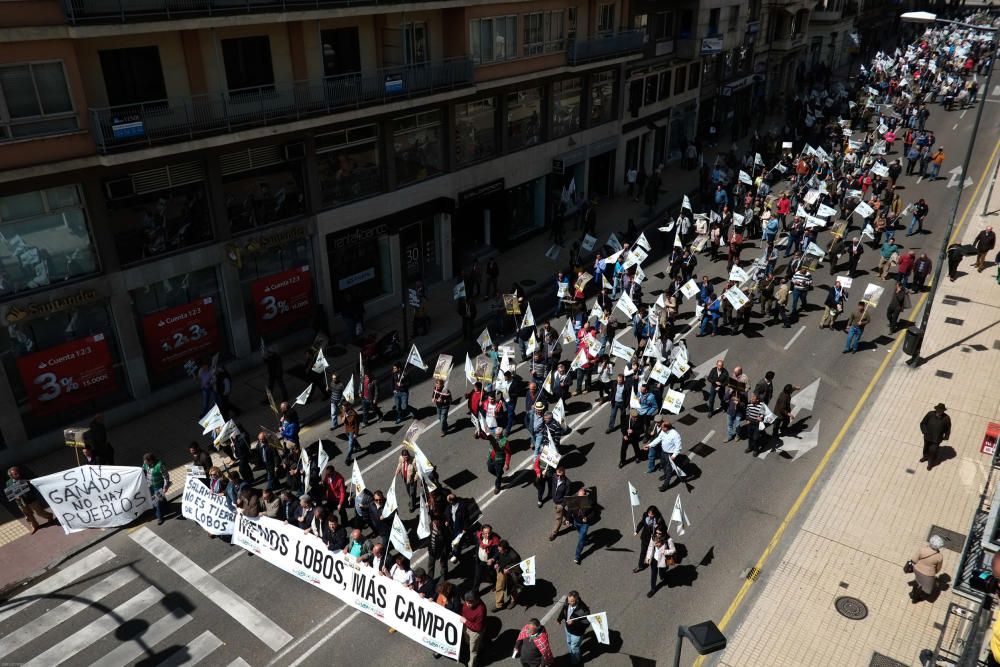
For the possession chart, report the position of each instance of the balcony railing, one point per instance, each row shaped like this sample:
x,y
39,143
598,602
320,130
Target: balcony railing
x,y
129,11
180,119
601,47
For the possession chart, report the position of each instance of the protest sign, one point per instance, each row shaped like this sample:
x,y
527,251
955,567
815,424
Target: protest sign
x,y
673,401
95,496
689,289
484,340
736,297
458,291
484,369
872,294
209,510
582,280
588,242
622,351
550,455
352,582
442,369
737,274
511,305
845,281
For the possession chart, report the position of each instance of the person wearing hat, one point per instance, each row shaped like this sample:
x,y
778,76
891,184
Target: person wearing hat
x,y
536,426
936,427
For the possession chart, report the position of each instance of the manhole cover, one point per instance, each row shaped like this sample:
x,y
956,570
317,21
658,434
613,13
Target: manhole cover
x,y
851,608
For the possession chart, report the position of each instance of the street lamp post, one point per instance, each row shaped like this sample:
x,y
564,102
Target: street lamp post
x,y
705,637
925,315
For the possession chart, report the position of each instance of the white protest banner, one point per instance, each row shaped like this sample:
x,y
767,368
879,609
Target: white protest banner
x,y
660,373
642,242
424,525
863,209
357,481
680,367
686,204
303,398
845,281
549,455
745,178
209,510
553,252
679,515
689,289
599,624
353,583
212,420
738,219
736,297
673,401
458,291
414,358
825,211
390,499
880,170
321,363
484,340
626,305
614,243
527,571
588,242
529,319
622,351
737,274
399,537
872,294
95,496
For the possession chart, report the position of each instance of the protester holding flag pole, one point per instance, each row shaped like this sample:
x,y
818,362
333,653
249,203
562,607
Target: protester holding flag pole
x,y
649,524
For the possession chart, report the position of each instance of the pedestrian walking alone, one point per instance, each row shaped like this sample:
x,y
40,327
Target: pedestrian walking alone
x,y
925,566
936,428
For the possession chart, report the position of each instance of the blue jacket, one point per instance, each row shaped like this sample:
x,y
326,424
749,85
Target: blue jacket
x,y
647,404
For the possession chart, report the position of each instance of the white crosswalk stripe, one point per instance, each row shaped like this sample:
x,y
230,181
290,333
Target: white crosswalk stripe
x,y
128,652
197,650
64,577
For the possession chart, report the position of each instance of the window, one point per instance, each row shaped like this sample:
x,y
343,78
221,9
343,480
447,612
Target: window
x,y
475,130
261,187
34,100
602,97
524,118
571,23
663,26
606,18
349,165
713,21
44,238
649,89
273,273
734,17
493,39
248,63
640,21
664,84
686,29
680,79
543,32
341,52
132,75
566,106
693,71
415,44
418,146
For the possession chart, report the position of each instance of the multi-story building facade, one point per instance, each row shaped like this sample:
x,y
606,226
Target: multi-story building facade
x,y
180,179
832,39
782,47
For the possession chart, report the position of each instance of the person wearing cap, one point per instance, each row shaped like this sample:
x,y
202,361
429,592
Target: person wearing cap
x,y
936,428
499,451
536,426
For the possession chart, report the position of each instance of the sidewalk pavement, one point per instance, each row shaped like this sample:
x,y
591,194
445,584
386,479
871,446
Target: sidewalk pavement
x,y
877,504
175,424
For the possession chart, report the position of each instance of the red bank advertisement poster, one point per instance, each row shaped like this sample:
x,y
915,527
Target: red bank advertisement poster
x,y
67,374
282,299
177,335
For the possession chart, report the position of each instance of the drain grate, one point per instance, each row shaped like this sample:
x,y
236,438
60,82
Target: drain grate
x,y
879,660
954,320
851,608
996,344
944,374
949,302
952,540
753,573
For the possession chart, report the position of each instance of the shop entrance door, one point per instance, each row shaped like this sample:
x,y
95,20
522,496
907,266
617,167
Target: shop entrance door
x,y
601,174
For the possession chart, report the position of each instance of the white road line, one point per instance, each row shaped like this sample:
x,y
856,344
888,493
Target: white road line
x,y
795,337
920,179
82,639
239,609
708,436
67,610
196,650
60,579
128,652
550,614
955,126
240,662
227,561
312,649
964,111
321,626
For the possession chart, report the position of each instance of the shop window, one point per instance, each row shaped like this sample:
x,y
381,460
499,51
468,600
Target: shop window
x,y
180,321
278,290
418,146
156,212
360,265
475,130
680,79
349,164
261,187
493,39
566,106
248,63
63,367
133,76
544,32
527,208
524,118
35,100
693,72
664,84
44,239
341,51
602,97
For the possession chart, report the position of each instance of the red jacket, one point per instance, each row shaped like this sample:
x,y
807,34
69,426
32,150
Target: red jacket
x,y
334,489
906,263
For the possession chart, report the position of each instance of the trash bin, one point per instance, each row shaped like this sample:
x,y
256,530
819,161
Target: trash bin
x,y
913,340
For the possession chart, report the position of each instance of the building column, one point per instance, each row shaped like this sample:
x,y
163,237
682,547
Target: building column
x,y
443,229
11,425
133,356
232,296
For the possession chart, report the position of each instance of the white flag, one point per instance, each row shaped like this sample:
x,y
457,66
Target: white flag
x,y
303,398
680,516
677,470
614,243
745,178
212,420
470,370
400,539
357,482
673,401
529,319
227,431
633,401
737,274
553,252
390,499
531,345
484,340
599,624
604,282
633,495
527,570
424,525
757,159
320,364
588,242
349,391
361,365
305,465
414,358
580,360
458,291
547,385
622,351
568,335
322,458
559,412
677,241
686,204
642,242
626,305
689,289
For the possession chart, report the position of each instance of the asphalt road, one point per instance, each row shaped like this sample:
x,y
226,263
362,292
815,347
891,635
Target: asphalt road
x,y
154,594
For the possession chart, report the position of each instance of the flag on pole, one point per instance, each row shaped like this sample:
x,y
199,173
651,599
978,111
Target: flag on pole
x,y
349,391
399,538
470,370
599,624
322,457
357,482
529,318
532,344
680,516
361,365
527,570
424,526
559,412
484,340
633,496
227,431
321,363
303,398
212,420
414,358
390,498
568,335
643,243
305,464
547,385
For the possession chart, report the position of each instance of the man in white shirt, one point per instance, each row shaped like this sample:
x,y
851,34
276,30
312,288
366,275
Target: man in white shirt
x,y
668,443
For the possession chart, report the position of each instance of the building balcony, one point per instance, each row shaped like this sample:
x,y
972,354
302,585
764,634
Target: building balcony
x,y
789,43
826,16
82,12
133,126
590,49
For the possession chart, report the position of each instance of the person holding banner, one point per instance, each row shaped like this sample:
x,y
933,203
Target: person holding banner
x,y
159,482
855,327
441,398
573,613
650,522
29,501
400,391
